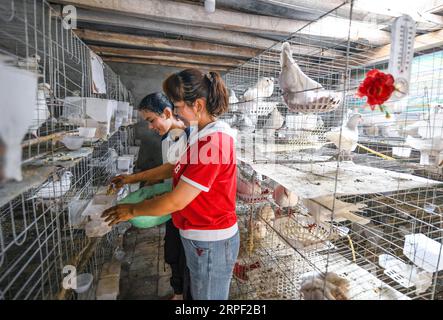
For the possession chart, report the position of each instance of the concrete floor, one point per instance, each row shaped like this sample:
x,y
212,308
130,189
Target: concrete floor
x,y
144,274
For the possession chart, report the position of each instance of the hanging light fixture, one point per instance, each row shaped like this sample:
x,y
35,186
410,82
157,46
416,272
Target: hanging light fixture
x,y
210,6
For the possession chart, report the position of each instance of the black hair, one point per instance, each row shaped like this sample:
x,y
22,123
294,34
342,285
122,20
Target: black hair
x,y
191,84
155,102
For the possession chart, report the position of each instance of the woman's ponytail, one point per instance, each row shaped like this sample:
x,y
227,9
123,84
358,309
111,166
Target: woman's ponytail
x,y
218,96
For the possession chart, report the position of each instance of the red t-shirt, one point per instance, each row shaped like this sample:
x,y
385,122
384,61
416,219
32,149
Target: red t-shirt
x,y
211,168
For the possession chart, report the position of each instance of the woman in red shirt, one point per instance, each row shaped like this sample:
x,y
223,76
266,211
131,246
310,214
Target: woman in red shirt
x,y
203,198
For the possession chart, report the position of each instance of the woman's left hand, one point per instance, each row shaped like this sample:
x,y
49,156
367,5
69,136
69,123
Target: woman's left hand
x,y
118,213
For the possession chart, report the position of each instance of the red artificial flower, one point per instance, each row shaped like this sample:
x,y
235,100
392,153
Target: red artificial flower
x,y
377,87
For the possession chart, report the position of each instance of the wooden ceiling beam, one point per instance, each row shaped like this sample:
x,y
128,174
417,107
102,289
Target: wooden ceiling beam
x,y
165,63
195,32
195,15
163,44
169,56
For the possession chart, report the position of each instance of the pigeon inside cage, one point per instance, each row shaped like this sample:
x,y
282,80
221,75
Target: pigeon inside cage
x,y
264,88
56,187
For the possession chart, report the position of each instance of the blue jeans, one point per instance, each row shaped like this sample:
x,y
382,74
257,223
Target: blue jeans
x,y
210,265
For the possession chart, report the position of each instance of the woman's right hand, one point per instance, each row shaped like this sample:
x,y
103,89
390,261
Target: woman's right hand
x,y
120,181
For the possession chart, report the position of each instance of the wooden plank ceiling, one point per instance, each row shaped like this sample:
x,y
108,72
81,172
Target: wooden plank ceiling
x,y
181,34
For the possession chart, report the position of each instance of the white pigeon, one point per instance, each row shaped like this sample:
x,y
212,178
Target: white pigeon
x,y
348,136
18,91
41,112
55,188
328,286
262,89
297,87
427,147
284,198
232,96
275,120
292,78
430,125
244,122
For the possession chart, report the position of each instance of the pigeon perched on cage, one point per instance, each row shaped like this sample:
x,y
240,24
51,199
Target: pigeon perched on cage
x,y
275,120
41,113
262,89
348,135
329,286
232,96
18,92
300,92
55,188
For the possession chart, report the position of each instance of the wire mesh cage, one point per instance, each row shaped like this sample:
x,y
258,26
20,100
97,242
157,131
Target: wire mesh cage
x,y
355,198
76,129
72,80
42,230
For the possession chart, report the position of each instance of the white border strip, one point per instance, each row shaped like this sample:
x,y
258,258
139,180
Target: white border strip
x,y
210,235
194,184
